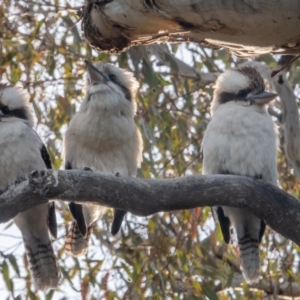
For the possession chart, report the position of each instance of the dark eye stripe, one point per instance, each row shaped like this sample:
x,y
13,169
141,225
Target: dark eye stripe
x,y
243,93
125,90
17,112
112,77
5,110
226,97
20,113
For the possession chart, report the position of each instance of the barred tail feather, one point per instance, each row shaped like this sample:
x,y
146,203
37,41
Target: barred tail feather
x,y
76,244
249,255
42,263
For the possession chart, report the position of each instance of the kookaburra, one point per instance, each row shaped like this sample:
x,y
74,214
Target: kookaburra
x,y
22,151
241,139
102,136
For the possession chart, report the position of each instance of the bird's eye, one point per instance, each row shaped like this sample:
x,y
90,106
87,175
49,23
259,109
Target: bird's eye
x,y
112,77
242,93
5,110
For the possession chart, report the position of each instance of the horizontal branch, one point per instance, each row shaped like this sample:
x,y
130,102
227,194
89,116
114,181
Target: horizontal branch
x,y
144,197
245,27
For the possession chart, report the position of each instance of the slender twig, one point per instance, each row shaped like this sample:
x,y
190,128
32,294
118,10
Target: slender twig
x,y
275,72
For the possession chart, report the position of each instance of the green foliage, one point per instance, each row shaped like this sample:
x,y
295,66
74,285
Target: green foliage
x,y
178,255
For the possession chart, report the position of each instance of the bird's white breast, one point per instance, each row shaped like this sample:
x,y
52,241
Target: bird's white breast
x,y
106,143
240,140
19,151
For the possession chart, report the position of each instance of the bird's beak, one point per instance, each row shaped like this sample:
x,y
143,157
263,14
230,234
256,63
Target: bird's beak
x,y
262,98
94,75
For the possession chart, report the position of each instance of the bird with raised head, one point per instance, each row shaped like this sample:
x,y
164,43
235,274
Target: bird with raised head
x,y
22,151
241,139
102,136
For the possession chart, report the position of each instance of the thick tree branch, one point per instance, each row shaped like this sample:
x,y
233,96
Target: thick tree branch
x,y
144,197
246,27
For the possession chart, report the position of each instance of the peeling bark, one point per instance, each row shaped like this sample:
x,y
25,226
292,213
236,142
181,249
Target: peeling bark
x,y
144,197
246,27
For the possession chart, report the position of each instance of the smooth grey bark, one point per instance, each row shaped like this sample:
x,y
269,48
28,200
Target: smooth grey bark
x,y
144,197
245,27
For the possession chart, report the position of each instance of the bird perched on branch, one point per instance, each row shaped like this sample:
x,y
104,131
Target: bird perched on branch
x,y
22,151
102,136
241,139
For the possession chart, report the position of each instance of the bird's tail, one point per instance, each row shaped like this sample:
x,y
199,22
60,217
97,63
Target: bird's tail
x,y
249,255
119,215
42,263
76,243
